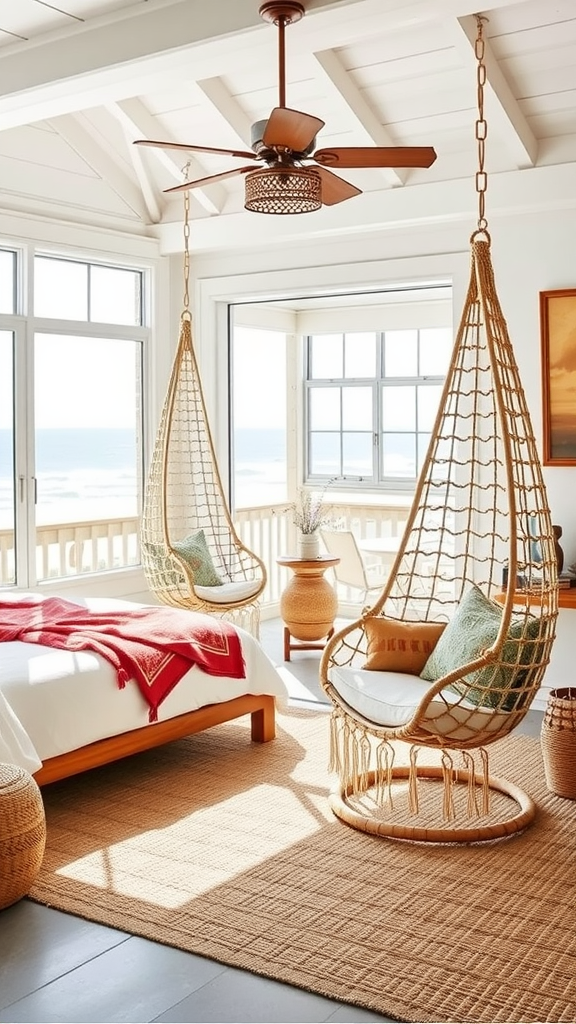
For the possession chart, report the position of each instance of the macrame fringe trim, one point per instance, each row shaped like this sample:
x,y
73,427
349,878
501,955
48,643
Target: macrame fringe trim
x,y
353,752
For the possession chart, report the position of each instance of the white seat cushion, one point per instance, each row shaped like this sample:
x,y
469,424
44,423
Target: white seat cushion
x,y
390,699
228,593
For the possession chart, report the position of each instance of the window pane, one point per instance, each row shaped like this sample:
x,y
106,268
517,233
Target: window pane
x,y
89,476
259,417
428,401
7,493
115,295
60,288
401,353
325,455
423,442
324,408
436,345
357,454
326,356
360,355
399,455
357,408
7,281
399,408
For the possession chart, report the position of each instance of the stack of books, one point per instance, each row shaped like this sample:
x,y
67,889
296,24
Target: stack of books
x,y
566,580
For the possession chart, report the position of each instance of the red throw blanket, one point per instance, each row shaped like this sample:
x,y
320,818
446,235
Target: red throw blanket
x,y
153,646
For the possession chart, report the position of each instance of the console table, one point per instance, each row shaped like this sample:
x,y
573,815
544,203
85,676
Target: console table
x,y
566,597
308,604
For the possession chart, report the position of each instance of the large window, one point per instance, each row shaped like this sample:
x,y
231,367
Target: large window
x,y
71,408
370,403
259,424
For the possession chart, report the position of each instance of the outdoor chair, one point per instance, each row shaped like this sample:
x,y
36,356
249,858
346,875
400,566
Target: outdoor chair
x,y
352,570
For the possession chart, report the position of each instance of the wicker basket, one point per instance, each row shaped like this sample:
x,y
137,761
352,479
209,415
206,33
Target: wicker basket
x,y
22,833
558,741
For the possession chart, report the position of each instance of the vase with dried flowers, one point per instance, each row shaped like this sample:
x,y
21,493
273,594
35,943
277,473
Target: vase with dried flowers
x,y
309,513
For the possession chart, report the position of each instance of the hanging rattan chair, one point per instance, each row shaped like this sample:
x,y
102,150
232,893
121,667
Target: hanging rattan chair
x,y
191,554
453,652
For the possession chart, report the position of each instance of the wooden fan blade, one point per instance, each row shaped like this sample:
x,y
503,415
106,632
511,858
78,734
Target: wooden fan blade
x,y
335,189
376,156
210,179
291,129
182,146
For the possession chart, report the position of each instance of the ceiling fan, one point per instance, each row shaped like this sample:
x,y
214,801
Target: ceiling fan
x,y
296,176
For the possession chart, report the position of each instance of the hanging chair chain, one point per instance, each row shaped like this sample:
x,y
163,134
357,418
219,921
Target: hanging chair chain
x,y
186,299
481,125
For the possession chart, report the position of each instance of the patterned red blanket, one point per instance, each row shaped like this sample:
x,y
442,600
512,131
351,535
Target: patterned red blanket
x,y
153,646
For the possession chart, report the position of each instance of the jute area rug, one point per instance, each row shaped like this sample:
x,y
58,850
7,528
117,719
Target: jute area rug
x,y
229,849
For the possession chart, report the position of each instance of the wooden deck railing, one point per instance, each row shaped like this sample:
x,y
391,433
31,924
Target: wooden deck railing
x,y
75,549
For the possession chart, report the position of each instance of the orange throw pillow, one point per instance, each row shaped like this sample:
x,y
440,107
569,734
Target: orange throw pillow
x,y
395,646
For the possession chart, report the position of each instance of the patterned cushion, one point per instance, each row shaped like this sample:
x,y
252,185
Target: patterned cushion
x,y
473,628
395,646
194,550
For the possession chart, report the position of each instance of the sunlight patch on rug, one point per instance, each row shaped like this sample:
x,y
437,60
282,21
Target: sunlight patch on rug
x,y
169,866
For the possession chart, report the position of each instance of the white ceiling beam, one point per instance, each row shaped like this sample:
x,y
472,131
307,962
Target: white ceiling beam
x,y
143,48
367,127
72,128
229,109
139,123
437,203
127,53
147,187
503,109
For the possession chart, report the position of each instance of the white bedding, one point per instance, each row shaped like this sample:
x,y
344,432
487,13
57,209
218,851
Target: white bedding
x,y
53,701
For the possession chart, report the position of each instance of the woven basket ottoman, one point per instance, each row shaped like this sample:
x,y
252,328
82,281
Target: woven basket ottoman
x,y
22,832
558,742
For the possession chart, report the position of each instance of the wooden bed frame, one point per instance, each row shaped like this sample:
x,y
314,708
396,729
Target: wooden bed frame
x,y
260,707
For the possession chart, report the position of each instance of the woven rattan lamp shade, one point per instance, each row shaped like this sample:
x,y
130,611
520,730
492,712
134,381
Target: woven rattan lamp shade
x,y
283,190
22,833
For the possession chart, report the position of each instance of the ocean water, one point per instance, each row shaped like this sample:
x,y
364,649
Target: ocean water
x,y
259,467
88,474
81,474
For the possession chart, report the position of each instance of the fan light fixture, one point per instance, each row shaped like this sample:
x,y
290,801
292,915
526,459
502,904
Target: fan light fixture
x,y
285,142
283,190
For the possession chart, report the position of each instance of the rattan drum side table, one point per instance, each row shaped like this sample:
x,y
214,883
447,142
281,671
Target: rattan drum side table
x,y
22,833
308,604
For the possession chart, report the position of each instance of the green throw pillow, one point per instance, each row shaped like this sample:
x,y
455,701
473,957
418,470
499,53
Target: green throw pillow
x,y
194,550
473,628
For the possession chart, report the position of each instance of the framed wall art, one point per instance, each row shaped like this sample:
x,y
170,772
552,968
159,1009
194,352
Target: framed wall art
x,y
558,339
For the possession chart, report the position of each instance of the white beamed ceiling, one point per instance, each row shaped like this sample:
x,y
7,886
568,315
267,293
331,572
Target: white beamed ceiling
x,y
80,80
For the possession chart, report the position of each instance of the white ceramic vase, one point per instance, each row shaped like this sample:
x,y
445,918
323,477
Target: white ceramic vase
x,y
309,545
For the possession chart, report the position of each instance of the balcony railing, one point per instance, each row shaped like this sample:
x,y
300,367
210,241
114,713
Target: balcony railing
x,y
74,549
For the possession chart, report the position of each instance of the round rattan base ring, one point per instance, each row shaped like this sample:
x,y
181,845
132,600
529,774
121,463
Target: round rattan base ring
x,y
473,833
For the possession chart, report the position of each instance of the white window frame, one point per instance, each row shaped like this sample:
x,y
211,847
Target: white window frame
x,y
25,326
215,293
377,480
